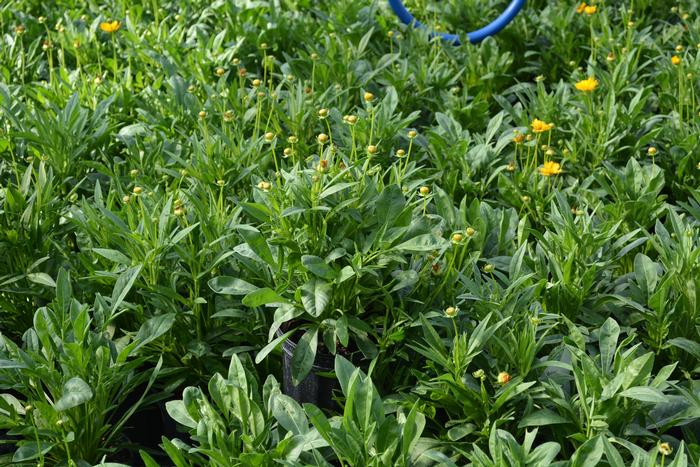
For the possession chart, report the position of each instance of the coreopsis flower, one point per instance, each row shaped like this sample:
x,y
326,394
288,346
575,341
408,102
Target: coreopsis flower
x,y
457,238
269,136
665,449
400,153
322,138
372,149
110,26
323,113
503,378
587,85
590,10
264,186
518,138
470,232
412,134
424,191
369,97
538,126
652,151
676,60
550,168
581,7
451,311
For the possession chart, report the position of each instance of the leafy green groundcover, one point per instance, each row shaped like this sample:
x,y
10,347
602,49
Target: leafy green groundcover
x,y
496,244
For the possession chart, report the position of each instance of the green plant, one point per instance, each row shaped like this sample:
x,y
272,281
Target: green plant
x,y
68,383
235,425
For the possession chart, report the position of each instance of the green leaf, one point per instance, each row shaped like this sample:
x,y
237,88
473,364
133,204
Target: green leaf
x,y
460,431
177,411
113,255
257,243
148,461
227,285
692,347
318,267
412,429
272,345
422,243
304,355
608,334
289,415
257,211
542,417
264,296
41,278
75,392
645,271
315,295
64,293
153,329
335,189
123,286
644,394
589,453
31,450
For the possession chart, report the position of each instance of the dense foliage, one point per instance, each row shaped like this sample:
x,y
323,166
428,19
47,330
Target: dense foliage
x,y
498,245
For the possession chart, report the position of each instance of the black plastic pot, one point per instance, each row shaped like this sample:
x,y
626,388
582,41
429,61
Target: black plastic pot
x,y
315,388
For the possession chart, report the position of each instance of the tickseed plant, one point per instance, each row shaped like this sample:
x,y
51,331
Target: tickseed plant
x,y
302,233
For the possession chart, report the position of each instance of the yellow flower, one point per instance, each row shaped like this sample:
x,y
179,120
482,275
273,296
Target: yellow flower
x,y
587,85
676,60
550,168
538,126
110,26
503,378
589,10
581,7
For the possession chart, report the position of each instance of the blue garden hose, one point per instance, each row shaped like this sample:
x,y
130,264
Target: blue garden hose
x,y
474,37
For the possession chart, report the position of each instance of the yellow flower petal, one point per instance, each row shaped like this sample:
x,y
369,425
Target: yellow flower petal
x,y
110,26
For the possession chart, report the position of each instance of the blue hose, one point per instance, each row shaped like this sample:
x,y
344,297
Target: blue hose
x,y
474,37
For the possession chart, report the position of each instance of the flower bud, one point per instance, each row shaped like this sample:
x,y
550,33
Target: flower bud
x,y
451,311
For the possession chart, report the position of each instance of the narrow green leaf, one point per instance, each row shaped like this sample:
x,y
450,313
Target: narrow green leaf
x,y
227,285
304,355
